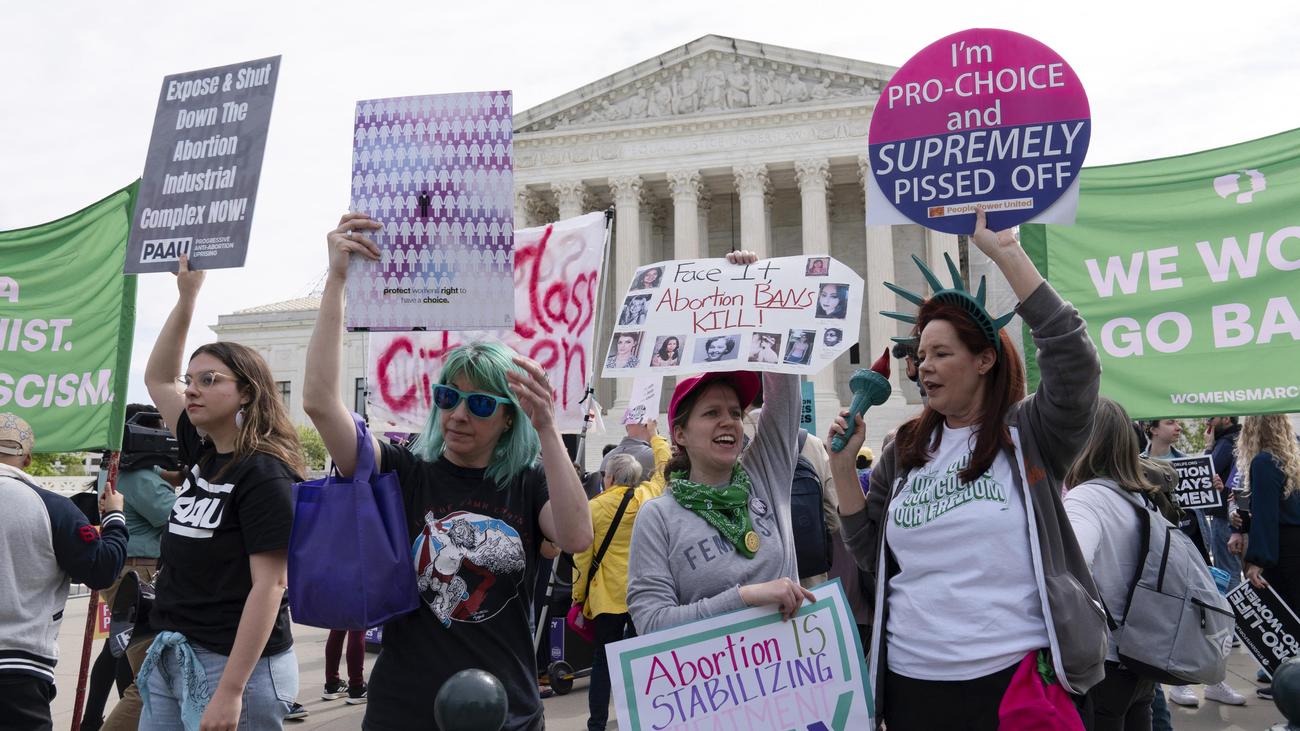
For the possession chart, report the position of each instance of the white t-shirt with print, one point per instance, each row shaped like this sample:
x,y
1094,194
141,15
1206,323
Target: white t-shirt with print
x,y
965,602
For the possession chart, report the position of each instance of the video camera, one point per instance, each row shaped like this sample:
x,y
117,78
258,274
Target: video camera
x,y
145,446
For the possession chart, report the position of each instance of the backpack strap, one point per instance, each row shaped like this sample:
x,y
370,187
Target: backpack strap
x,y
803,439
1144,543
604,545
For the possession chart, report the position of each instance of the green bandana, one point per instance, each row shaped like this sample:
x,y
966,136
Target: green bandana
x,y
725,508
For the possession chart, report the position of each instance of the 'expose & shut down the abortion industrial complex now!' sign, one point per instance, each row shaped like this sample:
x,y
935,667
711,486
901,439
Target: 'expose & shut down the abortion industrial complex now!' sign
x,y
792,314
981,117
747,670
205,160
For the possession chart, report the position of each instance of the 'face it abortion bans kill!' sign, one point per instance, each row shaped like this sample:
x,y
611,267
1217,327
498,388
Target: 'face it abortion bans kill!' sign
x,y
205,159
792,314
747,670
981,117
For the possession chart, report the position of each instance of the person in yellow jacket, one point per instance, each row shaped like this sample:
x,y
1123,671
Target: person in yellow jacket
x,y
605,605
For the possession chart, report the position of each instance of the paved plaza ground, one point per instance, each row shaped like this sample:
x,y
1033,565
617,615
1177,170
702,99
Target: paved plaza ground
x,y
569,712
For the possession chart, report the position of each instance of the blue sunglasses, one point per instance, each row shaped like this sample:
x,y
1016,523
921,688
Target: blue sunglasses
x,y
481,405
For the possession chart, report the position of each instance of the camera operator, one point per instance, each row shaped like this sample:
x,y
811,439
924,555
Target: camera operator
x,y
146,478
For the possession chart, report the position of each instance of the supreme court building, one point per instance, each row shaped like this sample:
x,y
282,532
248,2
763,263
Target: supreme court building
x,y
716,145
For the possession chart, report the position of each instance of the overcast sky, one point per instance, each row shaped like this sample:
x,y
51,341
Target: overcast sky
x,y
81,82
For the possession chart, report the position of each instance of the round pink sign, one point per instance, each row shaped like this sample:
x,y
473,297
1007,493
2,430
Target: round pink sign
x,y
981,117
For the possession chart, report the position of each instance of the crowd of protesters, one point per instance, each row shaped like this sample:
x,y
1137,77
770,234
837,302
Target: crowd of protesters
x,y
675,528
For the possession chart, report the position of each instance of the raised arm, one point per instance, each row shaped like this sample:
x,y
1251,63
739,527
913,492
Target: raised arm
x,y
320,393
1060,412
565,518
169,349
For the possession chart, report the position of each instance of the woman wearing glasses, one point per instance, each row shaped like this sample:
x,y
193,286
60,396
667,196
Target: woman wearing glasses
x,y
220,607
478,506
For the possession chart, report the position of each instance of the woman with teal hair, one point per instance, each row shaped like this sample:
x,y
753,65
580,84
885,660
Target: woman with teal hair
x,y
479,503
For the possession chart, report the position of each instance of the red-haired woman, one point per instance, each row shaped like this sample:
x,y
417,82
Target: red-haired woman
x,y
963,533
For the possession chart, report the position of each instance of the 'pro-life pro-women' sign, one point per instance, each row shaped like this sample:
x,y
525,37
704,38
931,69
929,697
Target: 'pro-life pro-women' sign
x,y
981,117
792,314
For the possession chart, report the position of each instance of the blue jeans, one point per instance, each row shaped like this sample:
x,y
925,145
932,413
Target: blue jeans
x,y
271,689
608,628
1217,533
1160,720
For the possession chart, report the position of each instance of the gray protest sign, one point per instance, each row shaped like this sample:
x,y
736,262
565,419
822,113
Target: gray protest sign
x,y
205,158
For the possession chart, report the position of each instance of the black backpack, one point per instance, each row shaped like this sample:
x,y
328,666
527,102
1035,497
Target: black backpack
x,y
812,538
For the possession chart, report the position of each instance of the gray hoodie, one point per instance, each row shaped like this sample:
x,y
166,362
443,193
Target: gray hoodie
x,y
681,569
1048,428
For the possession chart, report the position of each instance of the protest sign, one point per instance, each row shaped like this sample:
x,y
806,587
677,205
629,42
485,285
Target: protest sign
x,y
1183,262
1195,489
204,163
643,404
807,407
695,315
1266,625
437,172
747,670
981,117
67,316
556,282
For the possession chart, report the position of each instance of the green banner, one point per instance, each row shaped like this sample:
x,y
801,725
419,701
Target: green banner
x,y
67,317
1187,270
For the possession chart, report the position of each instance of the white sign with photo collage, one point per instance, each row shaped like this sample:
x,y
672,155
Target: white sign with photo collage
x,y
792,314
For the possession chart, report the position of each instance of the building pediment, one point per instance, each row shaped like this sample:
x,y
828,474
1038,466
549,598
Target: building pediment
x,y
708,77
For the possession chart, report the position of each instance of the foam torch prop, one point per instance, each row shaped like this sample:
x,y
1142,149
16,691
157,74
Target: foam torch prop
x,y
870,387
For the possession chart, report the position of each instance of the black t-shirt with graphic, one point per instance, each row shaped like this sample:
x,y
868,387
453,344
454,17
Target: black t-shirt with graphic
x,y
475,547
218,521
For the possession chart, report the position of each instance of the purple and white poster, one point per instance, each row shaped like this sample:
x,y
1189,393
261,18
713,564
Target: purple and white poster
x,y
983,117
437,172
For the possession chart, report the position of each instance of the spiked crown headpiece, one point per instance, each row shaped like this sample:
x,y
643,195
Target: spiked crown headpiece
x,y
957,295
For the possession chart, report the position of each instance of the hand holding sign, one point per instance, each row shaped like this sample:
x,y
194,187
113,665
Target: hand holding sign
x,y
350,238
188,281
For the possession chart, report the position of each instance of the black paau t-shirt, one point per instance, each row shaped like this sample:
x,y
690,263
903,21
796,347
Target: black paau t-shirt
x,y
216,523
475,548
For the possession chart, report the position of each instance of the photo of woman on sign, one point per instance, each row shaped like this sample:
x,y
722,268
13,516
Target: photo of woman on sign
x,y
668,351
801,342
623,353
648,279
764,348
714,349
635,308
832,301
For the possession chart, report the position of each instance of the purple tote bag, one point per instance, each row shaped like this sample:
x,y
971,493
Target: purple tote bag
x,y
349,557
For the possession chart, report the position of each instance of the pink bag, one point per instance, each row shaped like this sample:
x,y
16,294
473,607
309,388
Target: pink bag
x,y
580,625
1034,703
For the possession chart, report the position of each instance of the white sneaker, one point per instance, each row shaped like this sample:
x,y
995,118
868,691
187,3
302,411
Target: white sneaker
x,y
1183,695
1223,693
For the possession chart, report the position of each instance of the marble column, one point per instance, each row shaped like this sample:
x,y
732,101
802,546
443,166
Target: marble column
x,y
936,245
523,205
626,191
685,188
704,205
880,269
814,178
570,198
751,187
